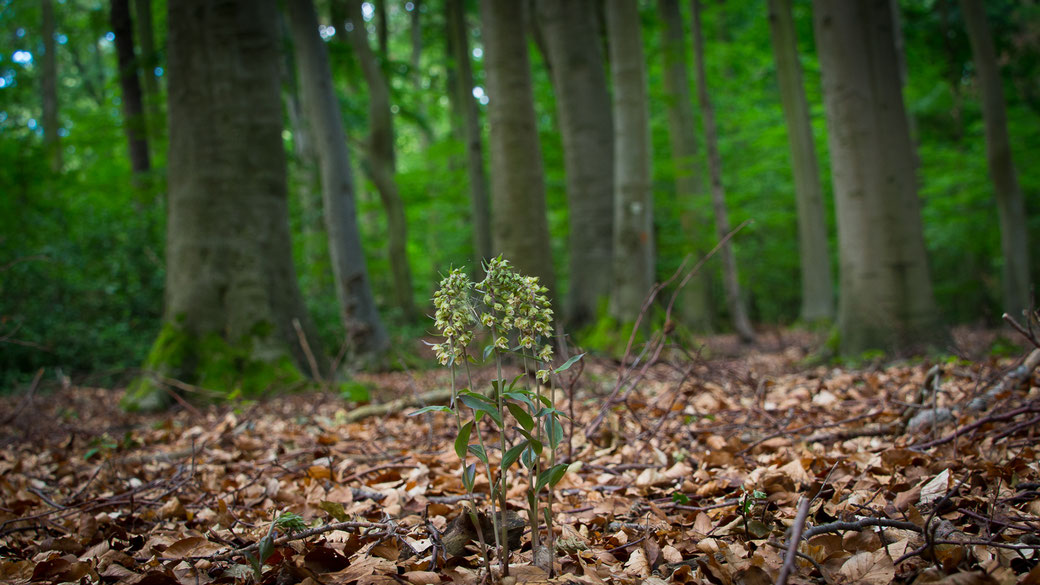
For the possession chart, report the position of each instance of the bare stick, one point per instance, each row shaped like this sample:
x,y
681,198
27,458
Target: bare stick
x,y
792,545
313,363
1027,334
1000,416
860,525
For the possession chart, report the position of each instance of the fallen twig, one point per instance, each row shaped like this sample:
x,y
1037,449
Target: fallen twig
x,y
860,525
996,417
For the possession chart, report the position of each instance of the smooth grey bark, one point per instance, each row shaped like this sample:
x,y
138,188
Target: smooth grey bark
x,y
633,269
572,43
695,308
366,334
472,135
520,227
814,258
731,281
233,308
381,165
134,122
1014,236
49,88
886,299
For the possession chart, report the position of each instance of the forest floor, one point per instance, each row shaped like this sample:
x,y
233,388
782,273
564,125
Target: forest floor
x,y
698,467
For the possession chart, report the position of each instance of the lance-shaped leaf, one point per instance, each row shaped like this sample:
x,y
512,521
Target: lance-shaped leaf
x,y
567,364
481,404
425,409
479,452
521,415
469,476
553,431
513,454
462,440
529,457
551,476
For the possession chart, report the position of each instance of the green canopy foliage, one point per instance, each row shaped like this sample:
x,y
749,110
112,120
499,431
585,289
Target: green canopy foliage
x,y
81,252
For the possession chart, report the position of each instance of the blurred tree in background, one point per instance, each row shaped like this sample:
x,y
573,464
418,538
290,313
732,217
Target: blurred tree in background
x,y
82,237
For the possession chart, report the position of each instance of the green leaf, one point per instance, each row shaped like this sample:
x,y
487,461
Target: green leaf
x,y
425,409
567,364
680,498
265,548
513,454
529,457
479,452
487,350
515,380
462,440
553,431
521,415
523,396
482,404
469,476
535,443
291,522
551,476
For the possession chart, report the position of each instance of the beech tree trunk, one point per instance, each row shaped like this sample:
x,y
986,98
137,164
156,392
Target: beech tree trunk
x,y
382,28
817,287
366,335
147,61
886,299
1014,236
572,41
416,73
49,88
234,319
472,135
734,298
381,165
633,270
695,308
146,43
134,122
520,228
304,171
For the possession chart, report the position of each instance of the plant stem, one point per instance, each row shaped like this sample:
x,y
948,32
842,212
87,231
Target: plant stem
x,y
500,543
473,517
504,561
532,476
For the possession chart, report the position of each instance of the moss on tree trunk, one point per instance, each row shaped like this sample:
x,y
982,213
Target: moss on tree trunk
x,y
216,367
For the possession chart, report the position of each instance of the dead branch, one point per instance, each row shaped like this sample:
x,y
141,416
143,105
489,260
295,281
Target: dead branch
x,y
396,406
860,525
995,417
792,545
1010,381
294,536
